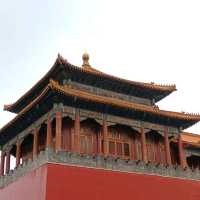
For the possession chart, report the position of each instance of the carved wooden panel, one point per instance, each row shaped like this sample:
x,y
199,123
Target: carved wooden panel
x,y
136,147
155,148
121,141
89,137
174,153
67,129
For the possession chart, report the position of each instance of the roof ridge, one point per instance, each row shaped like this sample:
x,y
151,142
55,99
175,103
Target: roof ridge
x,y
94,70
151,85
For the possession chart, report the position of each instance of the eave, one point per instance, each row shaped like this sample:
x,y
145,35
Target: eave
x,y
190,139
158,91
65,91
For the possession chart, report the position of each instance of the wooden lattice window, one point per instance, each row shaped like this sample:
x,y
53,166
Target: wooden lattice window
x,y
119,141
111,147
126,149
67,130
155,147
89,137
119,149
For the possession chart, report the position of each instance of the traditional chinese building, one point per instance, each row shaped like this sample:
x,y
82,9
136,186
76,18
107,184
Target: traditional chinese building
x,y
82,134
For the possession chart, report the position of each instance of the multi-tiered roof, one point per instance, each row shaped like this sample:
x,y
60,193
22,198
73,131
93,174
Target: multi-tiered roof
x,y
62,69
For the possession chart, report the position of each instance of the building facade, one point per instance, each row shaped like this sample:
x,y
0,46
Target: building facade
x,y
78,118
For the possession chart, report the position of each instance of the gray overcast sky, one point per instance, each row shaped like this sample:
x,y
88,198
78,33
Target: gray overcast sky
x,y
152,41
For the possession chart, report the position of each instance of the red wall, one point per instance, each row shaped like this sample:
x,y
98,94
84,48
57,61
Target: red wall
x,y
61,182
76,183
30,187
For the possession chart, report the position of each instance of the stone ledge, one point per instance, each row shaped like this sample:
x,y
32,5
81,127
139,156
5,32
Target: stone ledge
x,y
99,162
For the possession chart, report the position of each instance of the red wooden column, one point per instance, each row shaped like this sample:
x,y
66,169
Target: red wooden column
x,y
73,139
49,133
144,145
182,157
35,141
105,136
7,161
2,163
77,131
167,148
18,152
99,143
58,130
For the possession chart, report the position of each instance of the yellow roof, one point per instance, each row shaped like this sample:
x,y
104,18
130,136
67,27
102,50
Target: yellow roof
x,y
190,138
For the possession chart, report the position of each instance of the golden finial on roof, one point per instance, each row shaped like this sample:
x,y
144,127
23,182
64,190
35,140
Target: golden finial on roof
x,y
85,58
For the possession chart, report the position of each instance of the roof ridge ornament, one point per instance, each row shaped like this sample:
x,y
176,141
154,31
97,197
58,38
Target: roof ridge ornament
x,y
86,58
61,60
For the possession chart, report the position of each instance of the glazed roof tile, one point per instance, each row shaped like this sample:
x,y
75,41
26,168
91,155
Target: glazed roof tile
x,y
92,71
160,87
191,139
121,103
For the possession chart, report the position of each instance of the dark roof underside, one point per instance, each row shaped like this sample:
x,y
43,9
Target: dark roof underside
x,y
45,104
